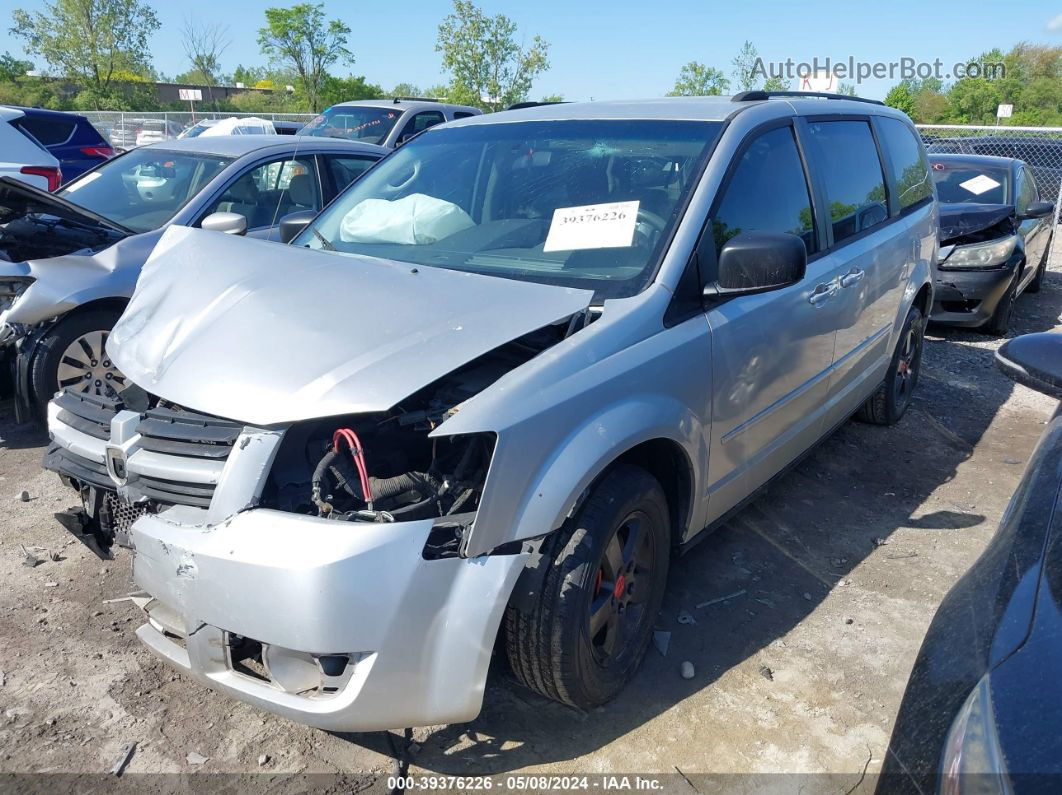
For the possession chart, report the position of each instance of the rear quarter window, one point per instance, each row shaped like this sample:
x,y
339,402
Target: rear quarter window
x,y
909,167
50,132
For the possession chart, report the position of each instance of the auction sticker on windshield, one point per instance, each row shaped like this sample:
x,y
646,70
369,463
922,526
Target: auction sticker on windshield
x,y
592,226
979,184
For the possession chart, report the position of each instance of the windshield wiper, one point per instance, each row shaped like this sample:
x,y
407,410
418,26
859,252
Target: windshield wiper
x,y
325,243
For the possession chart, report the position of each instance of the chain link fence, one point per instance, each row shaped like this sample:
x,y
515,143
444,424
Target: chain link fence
x,y
1039,147
126,130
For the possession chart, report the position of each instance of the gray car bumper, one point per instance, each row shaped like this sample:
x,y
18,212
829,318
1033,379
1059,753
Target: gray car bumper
x,y
418,633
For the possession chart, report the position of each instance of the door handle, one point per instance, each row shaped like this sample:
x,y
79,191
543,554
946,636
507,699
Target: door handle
x,y
822,293
853,276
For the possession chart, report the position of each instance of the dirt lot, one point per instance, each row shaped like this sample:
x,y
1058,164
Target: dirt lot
x,y
837,571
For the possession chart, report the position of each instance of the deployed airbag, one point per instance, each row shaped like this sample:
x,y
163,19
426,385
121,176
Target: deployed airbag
x,y
417,219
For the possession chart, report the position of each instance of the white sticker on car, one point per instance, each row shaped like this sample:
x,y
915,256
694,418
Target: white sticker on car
x,y
592,226
979,184
85,180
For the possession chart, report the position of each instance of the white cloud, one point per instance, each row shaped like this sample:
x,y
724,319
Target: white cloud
x,y
1055,23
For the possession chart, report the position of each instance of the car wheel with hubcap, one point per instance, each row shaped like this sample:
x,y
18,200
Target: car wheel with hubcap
x,y
73,356
890,401
592,620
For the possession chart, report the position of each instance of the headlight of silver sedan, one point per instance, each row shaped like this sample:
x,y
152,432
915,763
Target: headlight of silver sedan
x,y
11,287
981,255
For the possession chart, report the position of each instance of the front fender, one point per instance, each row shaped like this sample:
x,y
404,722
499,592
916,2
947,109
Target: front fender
x,y
563,417
65,283
591,448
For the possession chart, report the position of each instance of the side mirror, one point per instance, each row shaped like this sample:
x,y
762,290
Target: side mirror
x,y
291,225
754,262
1038,210
229,223
1034,360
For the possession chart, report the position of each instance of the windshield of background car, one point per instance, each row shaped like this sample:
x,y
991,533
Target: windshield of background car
x,y
144,188
357,123
961,182
587,204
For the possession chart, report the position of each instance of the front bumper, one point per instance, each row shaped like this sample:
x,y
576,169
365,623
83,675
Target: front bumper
x,y
419,633
970,297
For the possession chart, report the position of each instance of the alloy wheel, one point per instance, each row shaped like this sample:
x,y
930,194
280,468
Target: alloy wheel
x,y
620,587
86,368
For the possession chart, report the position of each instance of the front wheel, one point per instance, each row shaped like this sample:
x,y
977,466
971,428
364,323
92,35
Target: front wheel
x,y
592,621
890,401
73,356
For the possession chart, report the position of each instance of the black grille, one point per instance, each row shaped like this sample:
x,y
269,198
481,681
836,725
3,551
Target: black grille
x,y
173,432
187,433
61,460
89,414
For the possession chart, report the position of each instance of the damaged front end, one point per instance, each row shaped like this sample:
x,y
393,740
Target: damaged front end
x,y
313,567
979,256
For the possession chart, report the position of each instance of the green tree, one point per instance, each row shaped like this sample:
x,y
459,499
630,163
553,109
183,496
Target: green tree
x,y
89,41
405,90
552,98
745,67
249,75
847,89
488,67
899,97
300,39
347,89
776,84
13,69
697,80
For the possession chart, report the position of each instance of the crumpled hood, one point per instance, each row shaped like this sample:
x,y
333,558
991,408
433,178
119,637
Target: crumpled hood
x,y
266,333
961,219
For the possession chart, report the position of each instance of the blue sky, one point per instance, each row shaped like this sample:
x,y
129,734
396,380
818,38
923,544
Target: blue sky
x,y
627,49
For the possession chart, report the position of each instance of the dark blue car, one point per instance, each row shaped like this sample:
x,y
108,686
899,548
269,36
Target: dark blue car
x,y
72,140
982,707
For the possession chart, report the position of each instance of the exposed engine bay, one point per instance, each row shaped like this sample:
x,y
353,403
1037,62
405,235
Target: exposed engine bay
x,y
36,225
384,467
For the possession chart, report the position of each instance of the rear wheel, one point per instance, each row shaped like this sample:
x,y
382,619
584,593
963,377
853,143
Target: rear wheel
x,y
592,621
888,404
73,356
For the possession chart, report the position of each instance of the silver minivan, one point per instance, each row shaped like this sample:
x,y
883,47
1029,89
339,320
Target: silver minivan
x,y
492,388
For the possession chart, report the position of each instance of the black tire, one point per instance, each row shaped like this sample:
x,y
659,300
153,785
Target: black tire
x,y
1000,320
1037,282
44,379
890,401
551,648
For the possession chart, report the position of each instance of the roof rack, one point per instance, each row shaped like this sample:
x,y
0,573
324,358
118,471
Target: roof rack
x,y
532,104
760,95
396,100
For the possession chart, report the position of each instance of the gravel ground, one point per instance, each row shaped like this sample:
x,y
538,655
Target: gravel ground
x,y
835,574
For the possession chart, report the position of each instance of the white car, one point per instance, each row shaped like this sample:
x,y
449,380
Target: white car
x,y
230,126
22,157
154,131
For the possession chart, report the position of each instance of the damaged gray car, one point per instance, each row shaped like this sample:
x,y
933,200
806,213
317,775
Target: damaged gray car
x,y
69,261
491,389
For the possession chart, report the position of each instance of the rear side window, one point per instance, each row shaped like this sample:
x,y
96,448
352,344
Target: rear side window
x,y
462,114
768,192
1027,192
50,132
422,121
910,170
845,153
345,169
